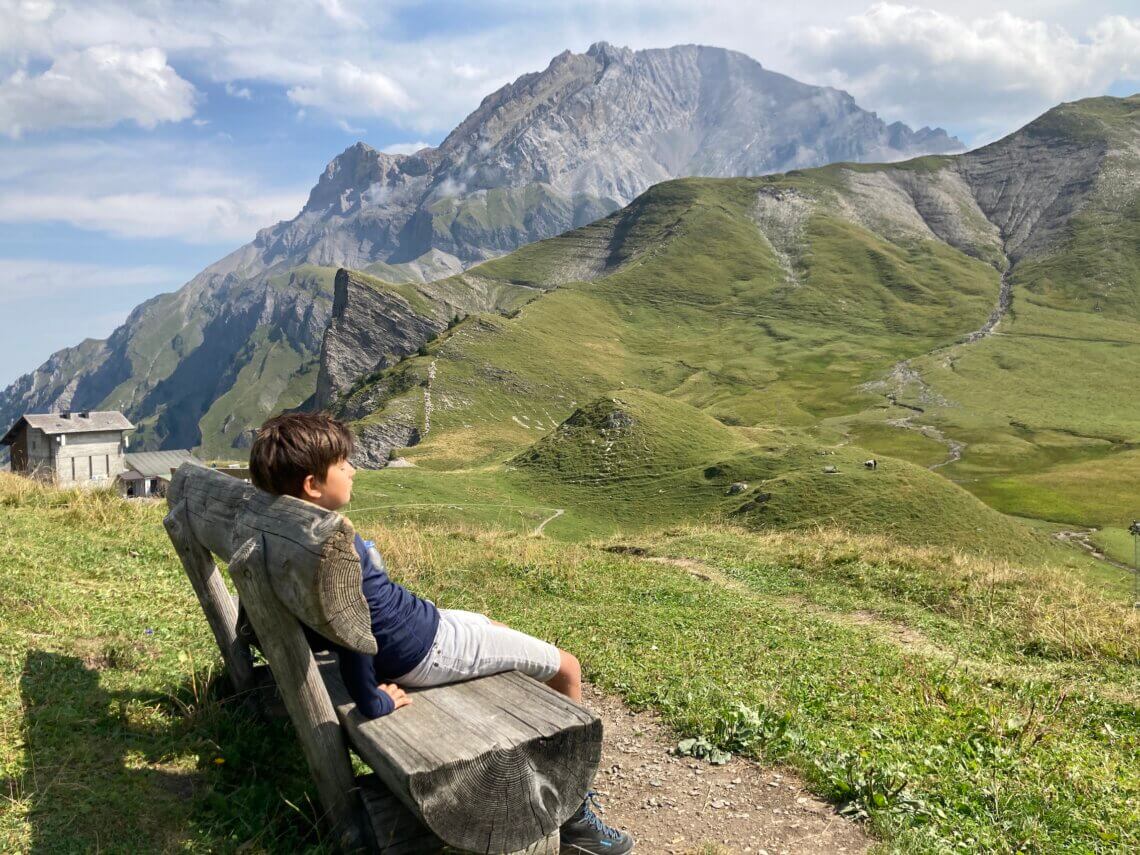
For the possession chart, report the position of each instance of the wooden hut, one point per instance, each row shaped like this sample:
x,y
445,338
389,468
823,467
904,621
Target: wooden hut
x,y
71,449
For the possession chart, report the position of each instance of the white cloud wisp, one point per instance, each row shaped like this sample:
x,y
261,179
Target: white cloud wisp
x,y
96,87
940,69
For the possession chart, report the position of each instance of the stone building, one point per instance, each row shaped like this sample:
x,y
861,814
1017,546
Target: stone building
x,y
69,448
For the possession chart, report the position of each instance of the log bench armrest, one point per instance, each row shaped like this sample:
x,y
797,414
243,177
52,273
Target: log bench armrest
x,y
501,758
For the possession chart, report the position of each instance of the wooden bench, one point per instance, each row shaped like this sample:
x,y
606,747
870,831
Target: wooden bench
x,y
495,764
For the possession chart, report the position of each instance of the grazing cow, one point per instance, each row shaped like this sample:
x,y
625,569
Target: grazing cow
x,y
871,464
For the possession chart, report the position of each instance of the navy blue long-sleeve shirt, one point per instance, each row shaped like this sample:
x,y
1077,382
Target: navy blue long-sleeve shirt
x,y
403,624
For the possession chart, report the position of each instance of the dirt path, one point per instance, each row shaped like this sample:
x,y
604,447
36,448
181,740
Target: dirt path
x,y
681,805
557,513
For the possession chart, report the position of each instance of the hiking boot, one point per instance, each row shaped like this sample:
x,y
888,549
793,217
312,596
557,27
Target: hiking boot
x,y
585,834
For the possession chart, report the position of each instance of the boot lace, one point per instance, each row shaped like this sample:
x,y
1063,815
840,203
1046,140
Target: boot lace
x,y
593,820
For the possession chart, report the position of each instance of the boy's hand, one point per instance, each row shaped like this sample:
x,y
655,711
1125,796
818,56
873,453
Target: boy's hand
x,y
399,696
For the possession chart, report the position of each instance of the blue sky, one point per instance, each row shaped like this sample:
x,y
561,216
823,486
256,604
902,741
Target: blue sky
x,y
139,143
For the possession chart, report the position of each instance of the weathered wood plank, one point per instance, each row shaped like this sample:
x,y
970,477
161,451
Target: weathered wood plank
x,y
303,691
311,561
396,829
468,760
217,603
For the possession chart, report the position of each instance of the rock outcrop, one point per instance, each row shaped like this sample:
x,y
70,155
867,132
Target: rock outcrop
x,y
371,328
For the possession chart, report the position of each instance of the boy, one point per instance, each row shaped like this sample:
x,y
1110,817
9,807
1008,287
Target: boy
x,y
306,455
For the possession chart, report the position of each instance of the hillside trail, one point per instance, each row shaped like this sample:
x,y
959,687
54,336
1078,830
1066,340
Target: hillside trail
x,y
538,529
673,804
904,373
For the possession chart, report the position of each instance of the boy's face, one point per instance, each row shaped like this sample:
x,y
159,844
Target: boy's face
x,y
332,492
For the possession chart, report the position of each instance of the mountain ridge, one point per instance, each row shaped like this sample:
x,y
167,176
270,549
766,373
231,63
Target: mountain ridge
x,y
885,304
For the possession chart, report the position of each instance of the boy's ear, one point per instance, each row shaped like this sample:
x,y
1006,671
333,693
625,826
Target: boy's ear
x,y
310,488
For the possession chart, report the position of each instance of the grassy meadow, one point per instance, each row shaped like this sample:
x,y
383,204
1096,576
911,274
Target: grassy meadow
x,y
954,701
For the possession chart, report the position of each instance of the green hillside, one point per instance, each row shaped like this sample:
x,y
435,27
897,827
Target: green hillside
x,y
766,324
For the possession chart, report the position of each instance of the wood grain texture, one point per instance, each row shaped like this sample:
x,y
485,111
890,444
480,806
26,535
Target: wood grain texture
x,y
311,561
303,692
489,765
217,603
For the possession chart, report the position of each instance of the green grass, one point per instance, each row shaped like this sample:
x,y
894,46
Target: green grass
x,y
112,734
1002,697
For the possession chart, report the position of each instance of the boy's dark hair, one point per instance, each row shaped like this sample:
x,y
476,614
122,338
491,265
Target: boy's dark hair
x,y
291,446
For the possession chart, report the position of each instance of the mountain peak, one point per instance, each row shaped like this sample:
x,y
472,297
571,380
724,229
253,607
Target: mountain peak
x,y
608,53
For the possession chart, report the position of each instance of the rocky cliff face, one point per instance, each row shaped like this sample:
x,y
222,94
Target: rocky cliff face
x,y
553,150
560,148
370,328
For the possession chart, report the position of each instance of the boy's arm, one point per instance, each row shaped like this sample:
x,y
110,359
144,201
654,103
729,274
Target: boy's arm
x,y
360,679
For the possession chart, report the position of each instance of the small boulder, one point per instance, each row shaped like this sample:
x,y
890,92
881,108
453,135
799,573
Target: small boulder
x,y
736,488
830,470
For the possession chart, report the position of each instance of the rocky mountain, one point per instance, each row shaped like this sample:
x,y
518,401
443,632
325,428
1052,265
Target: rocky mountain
x,y
552,151
560,148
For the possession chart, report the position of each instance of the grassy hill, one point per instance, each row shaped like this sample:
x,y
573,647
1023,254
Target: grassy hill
x,y
852,309
682,411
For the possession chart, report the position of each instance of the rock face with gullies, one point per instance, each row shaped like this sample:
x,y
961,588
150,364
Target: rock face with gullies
x,y
554,150
560,148
214,356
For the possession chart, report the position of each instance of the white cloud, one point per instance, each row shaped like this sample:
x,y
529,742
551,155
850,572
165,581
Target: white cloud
x,y
32,277
96,87
349,129
336,11
346,89
467,71
235,91
194,218
938,68
133,191
405,147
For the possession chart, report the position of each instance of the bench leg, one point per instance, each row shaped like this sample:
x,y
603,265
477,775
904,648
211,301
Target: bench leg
x,y
305,697
217,604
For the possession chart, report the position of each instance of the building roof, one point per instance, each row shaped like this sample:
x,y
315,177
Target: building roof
x,y
156,464
80,421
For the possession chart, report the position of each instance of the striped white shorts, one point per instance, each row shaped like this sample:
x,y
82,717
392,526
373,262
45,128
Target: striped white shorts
x,y
468,645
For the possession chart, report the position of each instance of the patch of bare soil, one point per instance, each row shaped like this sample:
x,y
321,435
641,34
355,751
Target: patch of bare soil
x,y
681,805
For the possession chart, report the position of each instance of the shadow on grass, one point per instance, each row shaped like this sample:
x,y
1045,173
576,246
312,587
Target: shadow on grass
x,y
118,772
